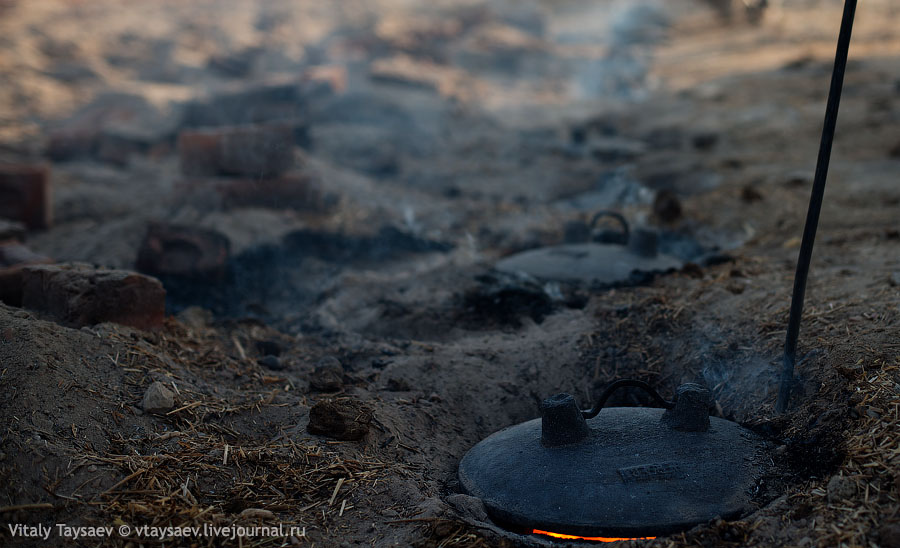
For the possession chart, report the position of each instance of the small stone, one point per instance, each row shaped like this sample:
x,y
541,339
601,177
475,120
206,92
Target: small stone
x,y
341,419
736,287
271,362
328,376
256,513
158,399
692,270
840,487
705,141
750,194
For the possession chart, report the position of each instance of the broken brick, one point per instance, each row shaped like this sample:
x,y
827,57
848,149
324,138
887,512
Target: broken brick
x,y
25,195
78,294
184,251
249,151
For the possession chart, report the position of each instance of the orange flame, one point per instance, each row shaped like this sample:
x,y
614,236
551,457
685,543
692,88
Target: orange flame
x,y
596,539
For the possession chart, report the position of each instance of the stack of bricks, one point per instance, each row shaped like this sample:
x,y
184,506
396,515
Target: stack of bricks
x,y
249,166
236,164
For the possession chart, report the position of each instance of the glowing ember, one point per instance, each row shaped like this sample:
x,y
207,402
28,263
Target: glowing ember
x,y
595,539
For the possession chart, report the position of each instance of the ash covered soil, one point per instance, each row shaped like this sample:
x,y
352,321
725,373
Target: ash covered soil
x,y
356,298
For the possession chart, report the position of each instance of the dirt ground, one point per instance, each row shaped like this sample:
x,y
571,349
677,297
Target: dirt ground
x,y
454,134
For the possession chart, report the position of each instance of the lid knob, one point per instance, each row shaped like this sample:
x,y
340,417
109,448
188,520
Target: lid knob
x,y
691,410
561,421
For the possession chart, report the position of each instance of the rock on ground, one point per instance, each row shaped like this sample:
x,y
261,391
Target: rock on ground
x,y
158,399
341,419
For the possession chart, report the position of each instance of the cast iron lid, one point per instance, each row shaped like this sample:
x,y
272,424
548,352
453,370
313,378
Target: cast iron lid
x,y
609,258
628,472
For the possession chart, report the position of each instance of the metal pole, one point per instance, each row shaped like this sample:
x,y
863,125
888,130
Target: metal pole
x,y
815,206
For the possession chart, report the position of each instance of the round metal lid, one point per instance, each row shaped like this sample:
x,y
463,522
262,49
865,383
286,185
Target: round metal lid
x,y
591,263
631,476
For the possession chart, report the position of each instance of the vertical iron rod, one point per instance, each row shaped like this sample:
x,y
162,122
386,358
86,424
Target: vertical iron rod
x,y
815,206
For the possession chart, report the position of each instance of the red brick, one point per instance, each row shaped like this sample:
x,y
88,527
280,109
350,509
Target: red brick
x,y
25,195
248,151
186,251
77,295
